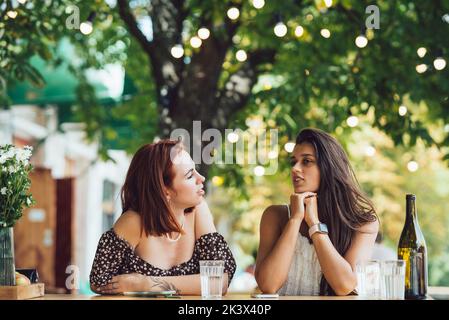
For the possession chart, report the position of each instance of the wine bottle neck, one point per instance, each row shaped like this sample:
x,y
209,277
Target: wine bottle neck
x,y
410,210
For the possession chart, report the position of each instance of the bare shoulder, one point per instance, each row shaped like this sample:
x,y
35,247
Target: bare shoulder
x,y
275,215
369,227
204,221
128,227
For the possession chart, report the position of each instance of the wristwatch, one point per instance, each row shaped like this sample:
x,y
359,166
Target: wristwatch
x,y
319,227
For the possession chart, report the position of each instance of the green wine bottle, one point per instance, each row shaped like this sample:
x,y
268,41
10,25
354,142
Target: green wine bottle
x,y
412,249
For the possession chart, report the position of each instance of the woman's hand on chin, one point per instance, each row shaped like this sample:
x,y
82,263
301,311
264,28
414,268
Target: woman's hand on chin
x,y
311,212
297,205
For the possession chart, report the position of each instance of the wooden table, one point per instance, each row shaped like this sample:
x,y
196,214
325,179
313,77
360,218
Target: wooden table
x,y
228,297
434,292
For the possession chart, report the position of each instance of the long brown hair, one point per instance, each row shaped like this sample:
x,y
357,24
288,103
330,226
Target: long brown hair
x,y
341,203
150,171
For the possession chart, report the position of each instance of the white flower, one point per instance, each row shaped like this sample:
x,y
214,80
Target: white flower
x,y
20,154
28,201
10,154
2,159
12,169
3,190
23,155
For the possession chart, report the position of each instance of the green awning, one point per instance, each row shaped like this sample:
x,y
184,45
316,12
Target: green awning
x,y
111,86
60,84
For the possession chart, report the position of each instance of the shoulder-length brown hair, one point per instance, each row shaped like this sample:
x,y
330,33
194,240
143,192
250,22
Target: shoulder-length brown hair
x,y
342,205
150,171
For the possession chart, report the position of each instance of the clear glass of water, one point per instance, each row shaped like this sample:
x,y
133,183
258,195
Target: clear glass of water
x,y
211,273
393,279
368,279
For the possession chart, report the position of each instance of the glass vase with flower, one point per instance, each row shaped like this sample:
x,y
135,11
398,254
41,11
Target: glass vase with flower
x,y
15,183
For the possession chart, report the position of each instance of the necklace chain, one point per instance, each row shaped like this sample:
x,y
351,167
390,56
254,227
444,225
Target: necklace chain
x,y
179,235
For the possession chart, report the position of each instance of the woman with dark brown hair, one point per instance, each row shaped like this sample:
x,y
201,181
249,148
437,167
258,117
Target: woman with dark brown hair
x,y
165,229
311,246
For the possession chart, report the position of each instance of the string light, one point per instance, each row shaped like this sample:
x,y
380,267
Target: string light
x,y
241,55
258,4
446,18
421,68
299,31
325,33
12,14
370,151
280,29
352,121
259,171
233,13
289,146
402,110
421,52
412,166
177,51
86,27
361,41
203,33
233,137
195,42
439,63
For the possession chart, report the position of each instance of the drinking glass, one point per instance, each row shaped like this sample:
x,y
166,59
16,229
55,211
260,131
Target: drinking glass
x,y
392,279
368,279
211,273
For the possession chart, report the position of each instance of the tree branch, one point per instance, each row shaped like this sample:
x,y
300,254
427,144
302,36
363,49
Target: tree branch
x,y
167,18
350,14
237,90
131,23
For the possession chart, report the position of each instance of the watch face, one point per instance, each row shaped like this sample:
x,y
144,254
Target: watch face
x,y
323,227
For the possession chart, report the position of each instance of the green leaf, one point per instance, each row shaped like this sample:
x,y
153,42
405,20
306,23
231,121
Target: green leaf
x,y
33,75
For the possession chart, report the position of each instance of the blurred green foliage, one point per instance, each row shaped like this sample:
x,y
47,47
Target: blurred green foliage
x,y
313,81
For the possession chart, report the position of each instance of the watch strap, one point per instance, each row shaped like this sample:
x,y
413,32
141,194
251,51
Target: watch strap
x,y
319,227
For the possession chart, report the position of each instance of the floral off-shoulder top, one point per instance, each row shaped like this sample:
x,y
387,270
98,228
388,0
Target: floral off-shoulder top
x,y
115,256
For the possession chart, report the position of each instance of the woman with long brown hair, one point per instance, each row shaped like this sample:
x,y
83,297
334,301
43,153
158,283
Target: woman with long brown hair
x,y
311,246
165,228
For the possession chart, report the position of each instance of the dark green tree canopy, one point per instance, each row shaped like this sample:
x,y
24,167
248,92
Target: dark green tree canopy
x,y
314,75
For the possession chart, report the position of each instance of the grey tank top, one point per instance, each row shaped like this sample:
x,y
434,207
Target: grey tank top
x,y
304,274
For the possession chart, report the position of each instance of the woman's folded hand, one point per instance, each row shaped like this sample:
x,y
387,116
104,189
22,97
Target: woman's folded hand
x,y
297,205
126,282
